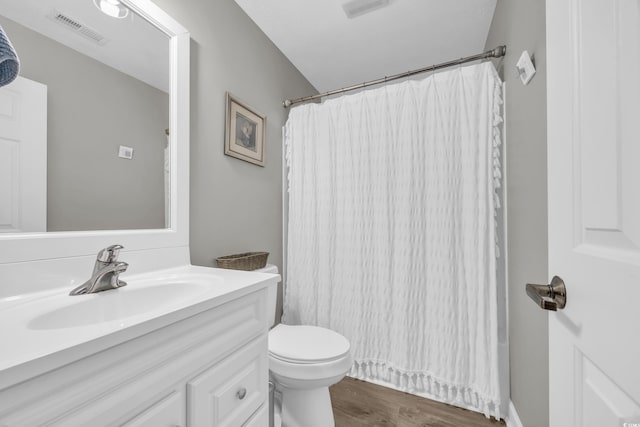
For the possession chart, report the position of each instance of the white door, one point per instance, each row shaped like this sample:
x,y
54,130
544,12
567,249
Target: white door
x,y
593,104
23,156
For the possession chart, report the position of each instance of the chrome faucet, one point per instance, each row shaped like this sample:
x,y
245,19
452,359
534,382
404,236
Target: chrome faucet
x,y
105,273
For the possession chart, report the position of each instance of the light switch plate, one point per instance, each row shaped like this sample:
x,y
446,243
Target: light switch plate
x,y
125,152
525,68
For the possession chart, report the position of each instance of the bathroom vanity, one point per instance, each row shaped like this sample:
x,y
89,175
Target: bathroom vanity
x,y
94,360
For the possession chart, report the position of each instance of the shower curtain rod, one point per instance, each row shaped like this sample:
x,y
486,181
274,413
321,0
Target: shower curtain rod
x,y
498,52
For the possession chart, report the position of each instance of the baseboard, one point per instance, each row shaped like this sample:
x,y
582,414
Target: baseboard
x,y
513,420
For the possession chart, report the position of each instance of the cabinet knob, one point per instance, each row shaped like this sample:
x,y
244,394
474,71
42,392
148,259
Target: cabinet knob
x,y
241,393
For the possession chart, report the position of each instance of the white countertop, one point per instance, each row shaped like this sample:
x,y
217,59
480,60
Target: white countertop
x,y
44,330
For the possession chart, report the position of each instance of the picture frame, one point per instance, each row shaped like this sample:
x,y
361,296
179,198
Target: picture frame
x,y
244,132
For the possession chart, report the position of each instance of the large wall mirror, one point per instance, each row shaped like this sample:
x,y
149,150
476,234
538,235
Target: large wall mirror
x,y
95,80
104,92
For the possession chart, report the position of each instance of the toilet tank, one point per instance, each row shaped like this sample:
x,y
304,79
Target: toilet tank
x,y
272,296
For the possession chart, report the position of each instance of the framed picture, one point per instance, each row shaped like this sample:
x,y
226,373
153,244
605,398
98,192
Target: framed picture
x,y
245,132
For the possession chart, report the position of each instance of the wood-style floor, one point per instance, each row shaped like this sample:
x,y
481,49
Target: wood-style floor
x,y
361,404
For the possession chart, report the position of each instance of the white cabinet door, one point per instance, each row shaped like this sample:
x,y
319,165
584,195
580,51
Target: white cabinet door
x,y
228,393
147,407
593,104
168,412
23,156
260,418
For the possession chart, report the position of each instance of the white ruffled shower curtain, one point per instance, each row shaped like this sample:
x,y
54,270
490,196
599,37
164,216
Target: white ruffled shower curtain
x,y
391,231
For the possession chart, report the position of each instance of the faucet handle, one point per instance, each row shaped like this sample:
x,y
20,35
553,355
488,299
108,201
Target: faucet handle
x,y
109,254
118,267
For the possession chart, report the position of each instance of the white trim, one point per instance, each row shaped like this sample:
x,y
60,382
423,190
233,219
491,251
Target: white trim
x,y
513,420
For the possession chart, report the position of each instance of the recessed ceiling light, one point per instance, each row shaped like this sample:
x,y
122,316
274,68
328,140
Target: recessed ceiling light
x,y
112,8
355,8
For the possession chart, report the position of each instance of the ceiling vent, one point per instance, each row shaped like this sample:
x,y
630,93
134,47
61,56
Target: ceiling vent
x,y
77,27
355,8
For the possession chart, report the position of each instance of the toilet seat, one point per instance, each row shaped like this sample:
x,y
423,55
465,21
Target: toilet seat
x,y
307,344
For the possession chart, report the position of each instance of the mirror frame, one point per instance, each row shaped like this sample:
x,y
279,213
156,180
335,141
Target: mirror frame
x,y
21,247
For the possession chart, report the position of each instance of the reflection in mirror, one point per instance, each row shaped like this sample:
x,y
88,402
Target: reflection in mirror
x,y
84,129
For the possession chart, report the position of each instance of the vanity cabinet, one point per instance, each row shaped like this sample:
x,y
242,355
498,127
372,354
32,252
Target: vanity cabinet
x,y
209,369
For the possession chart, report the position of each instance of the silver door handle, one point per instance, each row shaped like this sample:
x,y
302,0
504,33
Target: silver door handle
x,y
549,297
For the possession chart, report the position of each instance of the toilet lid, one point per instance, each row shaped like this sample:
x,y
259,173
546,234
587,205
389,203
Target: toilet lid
x,y
306,344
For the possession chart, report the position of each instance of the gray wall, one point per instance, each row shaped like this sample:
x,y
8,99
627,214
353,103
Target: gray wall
x,y
92,109
520,24
235,206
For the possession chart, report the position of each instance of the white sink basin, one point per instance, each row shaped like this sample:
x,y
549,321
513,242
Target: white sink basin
x,y
45,330
119,304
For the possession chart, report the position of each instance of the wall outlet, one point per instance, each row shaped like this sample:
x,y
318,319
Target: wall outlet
x,y
125,152
525,68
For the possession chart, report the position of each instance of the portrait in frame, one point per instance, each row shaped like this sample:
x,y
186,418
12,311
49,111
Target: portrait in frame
x,y
244,132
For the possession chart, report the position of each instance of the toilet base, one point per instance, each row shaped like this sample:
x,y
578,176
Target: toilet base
x,y
306,408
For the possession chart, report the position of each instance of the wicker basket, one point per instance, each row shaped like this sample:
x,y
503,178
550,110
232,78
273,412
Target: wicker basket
x,y
247,261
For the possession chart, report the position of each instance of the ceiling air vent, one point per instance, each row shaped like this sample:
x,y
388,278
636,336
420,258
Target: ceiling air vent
x,y
77,27
355,8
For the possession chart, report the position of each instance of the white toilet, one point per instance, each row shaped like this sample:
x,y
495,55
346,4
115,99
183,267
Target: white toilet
x,y
303,362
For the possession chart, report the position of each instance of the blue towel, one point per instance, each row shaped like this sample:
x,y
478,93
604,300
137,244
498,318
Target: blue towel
x,y
9,63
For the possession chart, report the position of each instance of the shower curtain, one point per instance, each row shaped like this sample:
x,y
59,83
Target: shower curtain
x,y
392,235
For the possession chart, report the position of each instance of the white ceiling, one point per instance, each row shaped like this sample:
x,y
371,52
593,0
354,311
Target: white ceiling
x,y
333,51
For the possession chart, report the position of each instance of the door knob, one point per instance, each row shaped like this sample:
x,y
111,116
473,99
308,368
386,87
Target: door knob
x,y
549,297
